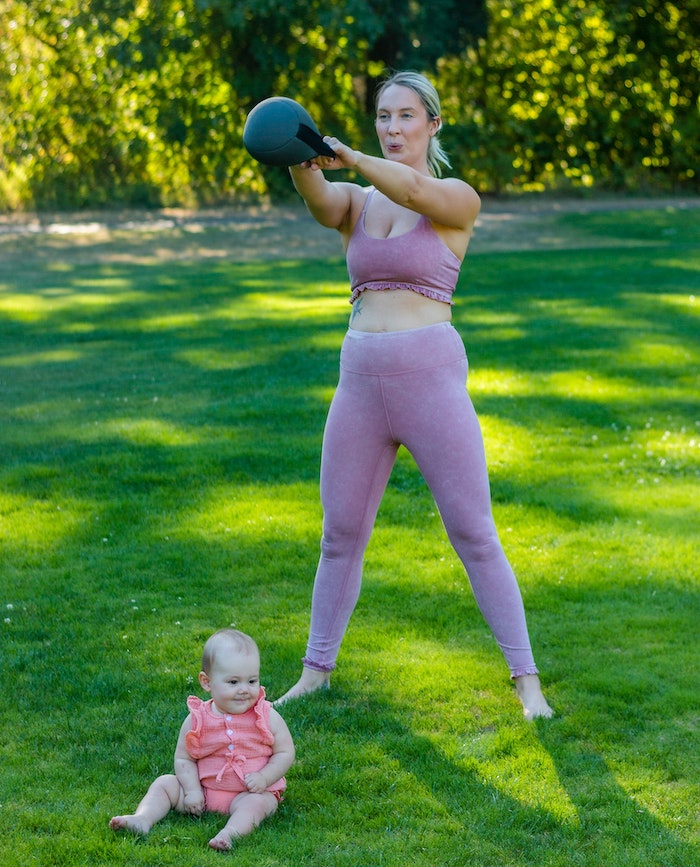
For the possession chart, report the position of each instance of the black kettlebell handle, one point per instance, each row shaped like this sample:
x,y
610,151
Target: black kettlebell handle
x,y
313,140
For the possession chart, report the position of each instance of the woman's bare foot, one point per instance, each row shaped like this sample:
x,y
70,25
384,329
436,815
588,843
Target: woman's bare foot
x,y
530,694
310,681
135,824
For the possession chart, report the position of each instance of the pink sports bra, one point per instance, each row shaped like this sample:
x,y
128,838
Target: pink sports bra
x,y
417,260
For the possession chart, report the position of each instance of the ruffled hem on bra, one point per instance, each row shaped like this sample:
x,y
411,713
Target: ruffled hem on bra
x,y
380,286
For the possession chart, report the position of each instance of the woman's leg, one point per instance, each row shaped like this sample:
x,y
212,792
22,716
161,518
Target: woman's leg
x,y
440,428
450,456
357,458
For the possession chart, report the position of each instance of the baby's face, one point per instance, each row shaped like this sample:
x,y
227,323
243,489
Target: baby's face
x,y
234,681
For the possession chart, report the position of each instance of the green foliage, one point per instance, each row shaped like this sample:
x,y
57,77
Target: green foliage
x,y
128,101
161,427
123,102
601,93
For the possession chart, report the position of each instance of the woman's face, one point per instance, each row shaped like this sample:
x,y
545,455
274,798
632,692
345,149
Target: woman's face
x,y
403,126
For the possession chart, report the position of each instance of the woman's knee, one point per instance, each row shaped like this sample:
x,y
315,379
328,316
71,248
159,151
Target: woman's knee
x,y
475,542
341,540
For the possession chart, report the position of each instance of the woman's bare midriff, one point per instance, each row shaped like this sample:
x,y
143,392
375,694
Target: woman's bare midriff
x,y
396,310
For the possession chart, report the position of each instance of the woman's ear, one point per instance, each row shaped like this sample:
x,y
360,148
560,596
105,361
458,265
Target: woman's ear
x,y
204,681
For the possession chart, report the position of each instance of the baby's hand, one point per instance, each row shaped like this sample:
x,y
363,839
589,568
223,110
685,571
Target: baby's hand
x,y
194,803
255,783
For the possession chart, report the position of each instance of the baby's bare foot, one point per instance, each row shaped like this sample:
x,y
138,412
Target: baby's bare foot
x,y
129,823
310,681
530,694
223,841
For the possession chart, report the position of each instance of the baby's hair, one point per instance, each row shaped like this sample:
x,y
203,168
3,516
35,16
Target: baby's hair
x,y
243,644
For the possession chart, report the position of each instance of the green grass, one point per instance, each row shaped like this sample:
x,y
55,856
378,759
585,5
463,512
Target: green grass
x,y
160,428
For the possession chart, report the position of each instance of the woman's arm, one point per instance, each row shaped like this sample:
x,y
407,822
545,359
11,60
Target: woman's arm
x,y
328,203
449,201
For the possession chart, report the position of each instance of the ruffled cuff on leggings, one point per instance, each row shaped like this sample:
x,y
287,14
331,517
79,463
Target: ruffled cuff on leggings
x,y
522,671
317,666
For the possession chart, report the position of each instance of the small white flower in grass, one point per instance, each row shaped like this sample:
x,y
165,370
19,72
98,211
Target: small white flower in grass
x,y
8,620
10,606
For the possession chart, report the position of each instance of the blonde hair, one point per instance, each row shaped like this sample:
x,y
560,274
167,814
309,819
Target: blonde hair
x,y
428,95
242,643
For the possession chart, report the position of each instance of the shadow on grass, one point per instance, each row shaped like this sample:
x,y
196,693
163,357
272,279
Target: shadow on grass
x,y
452,809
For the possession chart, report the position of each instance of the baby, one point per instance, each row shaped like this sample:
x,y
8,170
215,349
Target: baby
x,y
232,752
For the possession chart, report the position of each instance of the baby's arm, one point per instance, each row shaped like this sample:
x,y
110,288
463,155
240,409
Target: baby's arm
x,y
281,759
188,775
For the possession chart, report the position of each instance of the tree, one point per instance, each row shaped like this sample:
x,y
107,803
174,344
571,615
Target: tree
x,y
144,101
592,93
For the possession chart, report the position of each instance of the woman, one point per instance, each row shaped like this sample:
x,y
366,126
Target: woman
x,y
403,373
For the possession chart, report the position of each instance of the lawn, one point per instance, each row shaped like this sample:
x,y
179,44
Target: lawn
x,y
160,428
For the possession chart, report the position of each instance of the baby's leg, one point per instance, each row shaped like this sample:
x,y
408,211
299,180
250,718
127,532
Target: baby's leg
x,y
163,796
247,812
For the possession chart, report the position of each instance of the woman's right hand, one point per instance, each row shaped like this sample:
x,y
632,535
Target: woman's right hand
x,y
345,157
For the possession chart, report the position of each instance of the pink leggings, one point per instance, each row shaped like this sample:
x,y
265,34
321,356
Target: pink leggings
x,y
407,388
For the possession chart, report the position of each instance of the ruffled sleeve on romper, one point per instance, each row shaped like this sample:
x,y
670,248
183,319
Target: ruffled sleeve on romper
x,y
194,735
